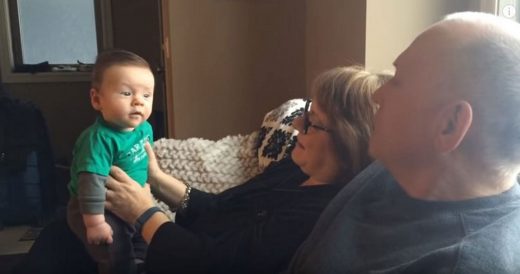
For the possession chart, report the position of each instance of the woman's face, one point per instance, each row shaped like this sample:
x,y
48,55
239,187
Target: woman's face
x,y
314,151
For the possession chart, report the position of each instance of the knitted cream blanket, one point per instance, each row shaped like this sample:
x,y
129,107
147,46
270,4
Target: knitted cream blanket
x,y
211,166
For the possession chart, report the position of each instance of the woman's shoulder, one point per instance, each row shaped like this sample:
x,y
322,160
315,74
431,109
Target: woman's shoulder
x,y
279,173
281,168
284,164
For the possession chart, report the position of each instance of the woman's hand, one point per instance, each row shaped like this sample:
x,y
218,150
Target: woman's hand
x,y
164,186
125,197
154,171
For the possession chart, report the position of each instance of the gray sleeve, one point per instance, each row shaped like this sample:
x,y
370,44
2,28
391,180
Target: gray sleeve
x,y
91,193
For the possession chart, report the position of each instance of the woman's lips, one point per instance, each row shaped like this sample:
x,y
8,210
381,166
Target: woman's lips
x,y
300,145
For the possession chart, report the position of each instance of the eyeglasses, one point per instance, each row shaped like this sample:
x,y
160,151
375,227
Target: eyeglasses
x,y
307,123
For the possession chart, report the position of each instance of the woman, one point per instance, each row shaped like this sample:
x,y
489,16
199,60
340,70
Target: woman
x,y
256,227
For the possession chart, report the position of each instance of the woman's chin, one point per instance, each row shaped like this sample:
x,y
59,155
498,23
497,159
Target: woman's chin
x,y
297,155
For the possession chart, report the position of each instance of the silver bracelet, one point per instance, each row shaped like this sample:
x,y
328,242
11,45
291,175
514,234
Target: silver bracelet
x,y
185,199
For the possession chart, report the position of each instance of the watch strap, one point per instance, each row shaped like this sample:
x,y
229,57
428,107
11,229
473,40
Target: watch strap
x,y
139,223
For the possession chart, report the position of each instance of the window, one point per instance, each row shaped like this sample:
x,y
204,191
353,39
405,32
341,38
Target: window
x,y
52,40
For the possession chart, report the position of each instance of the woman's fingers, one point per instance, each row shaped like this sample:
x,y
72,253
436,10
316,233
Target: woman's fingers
x,y
119,175
108,204
149,151
109,198
147,188
113,200
153,166
125,197
112,184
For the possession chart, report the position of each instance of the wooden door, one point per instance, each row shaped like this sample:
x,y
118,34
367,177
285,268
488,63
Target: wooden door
x,y
137,27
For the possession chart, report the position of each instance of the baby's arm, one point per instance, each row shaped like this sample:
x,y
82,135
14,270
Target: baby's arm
x,y
91,196
98,231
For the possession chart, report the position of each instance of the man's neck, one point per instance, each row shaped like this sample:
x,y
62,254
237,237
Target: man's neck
x,y
453,182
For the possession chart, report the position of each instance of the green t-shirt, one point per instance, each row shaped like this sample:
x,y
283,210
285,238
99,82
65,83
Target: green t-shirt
x,y
100,146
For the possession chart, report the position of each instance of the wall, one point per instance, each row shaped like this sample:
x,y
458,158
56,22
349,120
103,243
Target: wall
x,y
335,35
392,25
233,60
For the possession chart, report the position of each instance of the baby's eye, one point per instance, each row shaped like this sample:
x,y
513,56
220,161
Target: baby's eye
x,y
125,93
147,95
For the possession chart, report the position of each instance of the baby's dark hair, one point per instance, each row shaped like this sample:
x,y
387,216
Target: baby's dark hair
x,y
114,57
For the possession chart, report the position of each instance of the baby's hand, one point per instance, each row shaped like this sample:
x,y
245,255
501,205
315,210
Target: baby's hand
x,y
99,234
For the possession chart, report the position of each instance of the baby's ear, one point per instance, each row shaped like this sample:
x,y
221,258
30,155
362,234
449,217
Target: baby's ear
x,y
94,99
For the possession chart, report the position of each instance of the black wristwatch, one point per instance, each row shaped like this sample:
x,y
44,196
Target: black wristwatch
x,y
144,218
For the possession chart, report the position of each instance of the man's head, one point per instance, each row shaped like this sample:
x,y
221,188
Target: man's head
x,y
455,91
122,89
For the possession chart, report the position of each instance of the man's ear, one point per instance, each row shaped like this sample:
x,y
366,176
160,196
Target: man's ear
x,y
94,99
454,123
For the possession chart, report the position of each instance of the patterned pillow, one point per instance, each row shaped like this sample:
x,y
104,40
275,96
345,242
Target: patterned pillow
x,y
277,135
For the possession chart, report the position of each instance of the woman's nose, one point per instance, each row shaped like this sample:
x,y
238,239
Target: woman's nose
x,y
298,123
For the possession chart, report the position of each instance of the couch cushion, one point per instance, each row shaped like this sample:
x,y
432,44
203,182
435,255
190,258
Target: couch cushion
x,y
277,136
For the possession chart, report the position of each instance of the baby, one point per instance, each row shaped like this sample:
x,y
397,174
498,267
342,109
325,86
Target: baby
x,y
122,93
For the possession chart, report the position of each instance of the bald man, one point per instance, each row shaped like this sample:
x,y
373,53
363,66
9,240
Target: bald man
x,y
443,196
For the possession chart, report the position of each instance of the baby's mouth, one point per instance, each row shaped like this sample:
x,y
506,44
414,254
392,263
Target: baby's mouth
x,y
136,113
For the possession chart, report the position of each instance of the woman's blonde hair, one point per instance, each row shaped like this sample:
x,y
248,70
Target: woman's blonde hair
x,y
345,95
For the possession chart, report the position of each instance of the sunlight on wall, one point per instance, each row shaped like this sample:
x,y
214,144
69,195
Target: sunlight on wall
x,y
392,25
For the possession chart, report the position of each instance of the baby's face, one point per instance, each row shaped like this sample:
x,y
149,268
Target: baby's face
x,y
125,96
